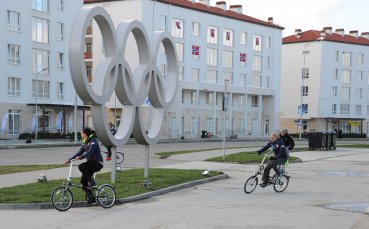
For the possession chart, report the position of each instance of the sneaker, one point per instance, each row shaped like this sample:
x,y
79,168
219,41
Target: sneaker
x,y
263,185
108,158
90,201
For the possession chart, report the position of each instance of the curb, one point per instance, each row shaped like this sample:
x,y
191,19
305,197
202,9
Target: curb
x,y
29,206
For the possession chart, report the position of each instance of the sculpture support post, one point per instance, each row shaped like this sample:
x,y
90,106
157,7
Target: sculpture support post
x,y
114,167
146,182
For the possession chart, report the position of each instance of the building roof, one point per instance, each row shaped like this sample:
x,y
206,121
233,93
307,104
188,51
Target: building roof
x,y
313,35
207,9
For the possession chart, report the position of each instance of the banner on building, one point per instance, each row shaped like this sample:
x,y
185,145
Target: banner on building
x,y
3,124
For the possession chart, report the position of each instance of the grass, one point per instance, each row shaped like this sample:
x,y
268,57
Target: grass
x,y
164,155
128,183
244,158
8,169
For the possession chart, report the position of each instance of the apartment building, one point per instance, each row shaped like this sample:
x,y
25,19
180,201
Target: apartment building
x,y
35,70
327,72
219,48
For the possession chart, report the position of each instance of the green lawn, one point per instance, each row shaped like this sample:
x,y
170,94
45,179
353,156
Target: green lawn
x,y
128,183
8,169
244,158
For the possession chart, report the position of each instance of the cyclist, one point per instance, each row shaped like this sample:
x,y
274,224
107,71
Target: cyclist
x,y
108,148
91,151
289,143
280,157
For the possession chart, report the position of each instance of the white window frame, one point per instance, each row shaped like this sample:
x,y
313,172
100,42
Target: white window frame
x,y
61,5
195,74
334,91
243,80
163,23
14,86
60,90
227,59
212,57
14,21
14,54
360,58
210,39
257,45
40,60
334,108
254,101
60,61
40,30
229,42
180,52
196,29
345,109
345,93
346,59
305,90
257,63
180,73
40,5
43,89
243,38
60,31
177,32
211,76
359,93
346,76
360,76
358,109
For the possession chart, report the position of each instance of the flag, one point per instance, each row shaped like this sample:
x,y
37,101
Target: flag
x,y
212,32
178,24
243,57
257,41
228,36
58,123
5,120
195,50
70,120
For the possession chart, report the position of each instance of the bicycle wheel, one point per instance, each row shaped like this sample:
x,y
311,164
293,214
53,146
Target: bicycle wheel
x,y
250,184
106,196
120,158
62,198
281,184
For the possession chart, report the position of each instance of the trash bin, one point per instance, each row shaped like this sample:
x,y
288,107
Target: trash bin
x,y
204,134
316,140
333,139
326,140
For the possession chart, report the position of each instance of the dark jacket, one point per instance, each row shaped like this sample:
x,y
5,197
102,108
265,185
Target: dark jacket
x,y
289,143
278,149
90,150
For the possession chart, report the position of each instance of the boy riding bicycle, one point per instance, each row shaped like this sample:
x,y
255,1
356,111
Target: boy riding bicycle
x,y
280,157
91,151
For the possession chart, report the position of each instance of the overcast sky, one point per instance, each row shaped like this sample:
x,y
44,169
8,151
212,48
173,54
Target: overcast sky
x,y
312,14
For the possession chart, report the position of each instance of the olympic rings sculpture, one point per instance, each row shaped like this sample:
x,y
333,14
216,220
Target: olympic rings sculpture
x,y
113,74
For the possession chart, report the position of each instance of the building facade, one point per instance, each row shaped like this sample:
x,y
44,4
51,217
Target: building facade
x,y
327,72
35,71
219,49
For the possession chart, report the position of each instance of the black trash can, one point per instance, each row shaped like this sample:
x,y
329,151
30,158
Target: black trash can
x,y
204,134
316,140
326,140
333,139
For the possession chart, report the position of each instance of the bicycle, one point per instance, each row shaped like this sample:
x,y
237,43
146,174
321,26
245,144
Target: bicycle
x,y
279,183
62,197
119,156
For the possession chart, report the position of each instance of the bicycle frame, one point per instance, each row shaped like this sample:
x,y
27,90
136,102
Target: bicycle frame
x,y
70,175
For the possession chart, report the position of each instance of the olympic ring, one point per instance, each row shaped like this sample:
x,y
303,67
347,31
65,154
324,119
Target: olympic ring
x,y
113,74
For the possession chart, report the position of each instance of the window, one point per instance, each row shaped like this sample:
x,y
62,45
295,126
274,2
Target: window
x,y
14,120
195,52
360,58
305,90
257,43
196,29
243,58
346,59
305,73
346,76
345,96
180,47
358,110
40,88
209,98
40,30
336,55
180,73
14,86
256,63
209,125
243,38
40,60
193,97
227,59
227,76
254,101
228,37
212,57
40,5
334,108
193,126
60,31
60,90
359,93
254,81
61,5
211,76
60,61
14,21
13,54
177,28
334,91
360,76
345,109
241,99
195,74
268,44
163,23
267,81
89,73
242,80
335,74
212,35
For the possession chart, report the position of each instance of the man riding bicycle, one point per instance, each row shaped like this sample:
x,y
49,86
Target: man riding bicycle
x,y
280,157
91,151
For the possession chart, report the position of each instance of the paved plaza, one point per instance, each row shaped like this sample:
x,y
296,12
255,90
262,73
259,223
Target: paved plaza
x,y
324,180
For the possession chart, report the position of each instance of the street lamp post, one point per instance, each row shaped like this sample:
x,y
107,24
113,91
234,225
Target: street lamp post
x,y
225,108
36,113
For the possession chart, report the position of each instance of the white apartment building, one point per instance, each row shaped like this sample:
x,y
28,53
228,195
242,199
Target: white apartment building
x,y
326,71
34,66
214,44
